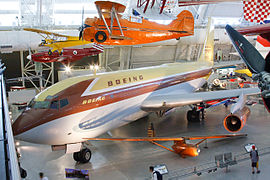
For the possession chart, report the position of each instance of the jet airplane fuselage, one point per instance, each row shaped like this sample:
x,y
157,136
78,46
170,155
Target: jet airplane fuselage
x,y
88,106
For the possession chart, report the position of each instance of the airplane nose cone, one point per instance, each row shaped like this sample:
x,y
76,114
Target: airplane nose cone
x,y
29,57
21,123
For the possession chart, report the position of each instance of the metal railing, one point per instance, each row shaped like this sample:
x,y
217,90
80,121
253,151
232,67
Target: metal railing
x,y
211,166
9,168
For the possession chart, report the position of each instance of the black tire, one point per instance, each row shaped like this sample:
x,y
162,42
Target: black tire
x,y
23,173
85,155
193,116
77,156
101,33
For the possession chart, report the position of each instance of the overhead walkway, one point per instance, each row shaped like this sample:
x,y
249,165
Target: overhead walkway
x,y
9,168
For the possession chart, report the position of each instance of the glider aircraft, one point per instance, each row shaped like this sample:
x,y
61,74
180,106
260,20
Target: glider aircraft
x,y
111,29
179,143
88,106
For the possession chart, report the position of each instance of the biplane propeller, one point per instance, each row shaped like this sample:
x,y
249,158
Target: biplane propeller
x,y
179,143
111,29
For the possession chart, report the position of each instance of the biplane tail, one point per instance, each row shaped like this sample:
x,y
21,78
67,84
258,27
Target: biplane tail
x,y
184,23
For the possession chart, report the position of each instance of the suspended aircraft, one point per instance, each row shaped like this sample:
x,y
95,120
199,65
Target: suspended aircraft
x,y
67,55
253,10
56,42
111,29
258,66
165,4
88,106
262,30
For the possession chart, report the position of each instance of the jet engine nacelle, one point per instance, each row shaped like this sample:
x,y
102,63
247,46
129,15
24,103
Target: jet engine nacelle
x,y
236,121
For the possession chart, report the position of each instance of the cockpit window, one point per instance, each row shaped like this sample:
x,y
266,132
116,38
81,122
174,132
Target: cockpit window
x,y
30,104
63,102
41,104
54,105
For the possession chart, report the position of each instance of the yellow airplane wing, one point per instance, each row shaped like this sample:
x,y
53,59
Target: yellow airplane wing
x,y
57,41
39,31
244,71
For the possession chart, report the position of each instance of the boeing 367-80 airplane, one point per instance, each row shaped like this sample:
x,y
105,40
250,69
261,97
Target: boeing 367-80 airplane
x,y
88,106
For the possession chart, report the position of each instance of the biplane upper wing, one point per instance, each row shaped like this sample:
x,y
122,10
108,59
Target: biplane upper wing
x,y
166,101
106,6
167,138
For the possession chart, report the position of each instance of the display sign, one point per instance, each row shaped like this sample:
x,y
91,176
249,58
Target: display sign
x,y
162,169
77,173
248,147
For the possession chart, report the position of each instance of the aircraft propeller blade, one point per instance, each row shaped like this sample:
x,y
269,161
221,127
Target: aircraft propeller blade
x,y
82,26
259,66
247,51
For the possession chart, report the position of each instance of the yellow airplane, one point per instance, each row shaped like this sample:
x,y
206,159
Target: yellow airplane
x,y
55,41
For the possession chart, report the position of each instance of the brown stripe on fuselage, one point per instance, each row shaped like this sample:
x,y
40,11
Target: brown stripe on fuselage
x,y
77,103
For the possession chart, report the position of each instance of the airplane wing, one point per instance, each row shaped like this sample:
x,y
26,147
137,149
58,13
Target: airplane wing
x,y
263,30
200,2
39,31
166,101
166,138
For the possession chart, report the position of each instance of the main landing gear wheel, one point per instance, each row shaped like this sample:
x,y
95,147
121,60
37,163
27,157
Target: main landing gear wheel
x,y
100,36
193,116
83,156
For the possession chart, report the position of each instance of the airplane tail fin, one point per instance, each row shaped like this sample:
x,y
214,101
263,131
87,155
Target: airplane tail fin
x,y
207,53
184,23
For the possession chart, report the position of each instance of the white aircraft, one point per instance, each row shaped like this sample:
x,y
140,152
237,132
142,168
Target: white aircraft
x,y
82,107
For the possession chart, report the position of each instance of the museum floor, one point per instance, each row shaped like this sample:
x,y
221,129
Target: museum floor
x,y
130,160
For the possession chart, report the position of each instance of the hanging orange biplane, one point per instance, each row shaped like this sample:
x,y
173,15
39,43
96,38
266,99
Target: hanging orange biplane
x,y
111,29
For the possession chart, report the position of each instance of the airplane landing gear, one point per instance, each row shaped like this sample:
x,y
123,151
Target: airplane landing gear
x,y
82,156
195,115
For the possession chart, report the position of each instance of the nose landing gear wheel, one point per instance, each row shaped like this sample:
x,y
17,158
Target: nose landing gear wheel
x,y
83,156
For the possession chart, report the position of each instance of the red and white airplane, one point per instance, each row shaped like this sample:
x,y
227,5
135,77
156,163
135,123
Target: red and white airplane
x,y
254,10
67,55
82,107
